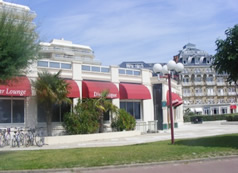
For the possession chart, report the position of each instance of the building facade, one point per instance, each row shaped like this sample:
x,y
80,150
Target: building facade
x,y
135,90
204,91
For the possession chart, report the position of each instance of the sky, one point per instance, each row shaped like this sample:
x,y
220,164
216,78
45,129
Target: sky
x,y
135,30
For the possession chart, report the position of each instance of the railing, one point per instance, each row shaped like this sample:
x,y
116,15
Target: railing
x,y
231,93
221,83
198,83
199,94
186,83
210,82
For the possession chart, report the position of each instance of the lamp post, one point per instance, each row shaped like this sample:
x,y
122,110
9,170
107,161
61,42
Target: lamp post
x,y
166,69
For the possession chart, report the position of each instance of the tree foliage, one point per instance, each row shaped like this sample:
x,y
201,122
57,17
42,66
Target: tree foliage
x,y
226,57
123,121
50,90
18,44
104,105
84,119
88,115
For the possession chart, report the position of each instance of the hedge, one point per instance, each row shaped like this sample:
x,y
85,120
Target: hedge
x,y
232,117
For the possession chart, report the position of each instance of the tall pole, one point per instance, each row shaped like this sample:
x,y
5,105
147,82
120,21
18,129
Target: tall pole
x,y
171,109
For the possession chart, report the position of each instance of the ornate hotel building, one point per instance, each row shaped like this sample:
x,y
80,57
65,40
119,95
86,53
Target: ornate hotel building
x,y
204,91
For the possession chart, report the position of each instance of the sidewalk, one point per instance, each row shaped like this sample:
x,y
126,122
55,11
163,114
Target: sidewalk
x,y
187,130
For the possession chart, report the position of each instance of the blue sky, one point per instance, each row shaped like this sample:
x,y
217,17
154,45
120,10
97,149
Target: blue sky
x,y
135,30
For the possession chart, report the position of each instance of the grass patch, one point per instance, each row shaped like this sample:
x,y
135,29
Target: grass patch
x,y
141,153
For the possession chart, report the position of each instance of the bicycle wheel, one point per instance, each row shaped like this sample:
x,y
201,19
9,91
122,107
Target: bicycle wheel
x,y
1,141
7,139
39,140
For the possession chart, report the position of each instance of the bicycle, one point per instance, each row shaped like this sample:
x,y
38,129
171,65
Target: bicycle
x,y
34,136
18,137
29,137
5,137
39,137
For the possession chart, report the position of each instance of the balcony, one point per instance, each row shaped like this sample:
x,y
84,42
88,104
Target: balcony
x,y
187,94
198,83
221,94
210,83
199,94
211,94
232,93
221,83
186,83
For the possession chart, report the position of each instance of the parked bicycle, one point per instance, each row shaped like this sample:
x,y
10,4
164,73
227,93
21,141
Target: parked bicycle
x,y
17,137
5,137
34,136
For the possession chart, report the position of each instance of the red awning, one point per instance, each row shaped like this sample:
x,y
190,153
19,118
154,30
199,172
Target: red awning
x,y
93,89
134,91
18,86
232,106
176,99
73,89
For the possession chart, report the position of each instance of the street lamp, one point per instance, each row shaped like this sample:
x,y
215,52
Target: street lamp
x,y
166,69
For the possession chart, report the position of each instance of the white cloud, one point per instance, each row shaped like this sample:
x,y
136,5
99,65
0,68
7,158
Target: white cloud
x,y
137,29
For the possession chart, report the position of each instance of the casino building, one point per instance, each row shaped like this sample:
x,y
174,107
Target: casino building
x,y
135,90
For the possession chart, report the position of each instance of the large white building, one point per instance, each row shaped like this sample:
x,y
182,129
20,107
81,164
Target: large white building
x,y
134,90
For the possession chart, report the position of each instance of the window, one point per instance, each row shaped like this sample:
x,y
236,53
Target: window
x,y
58,115
210,91
224,110
86,68
134,108
105,70
54,64
215,111
42,63
121,71
96,69
129,72
206,111
137,73
11,111
65,66
198,79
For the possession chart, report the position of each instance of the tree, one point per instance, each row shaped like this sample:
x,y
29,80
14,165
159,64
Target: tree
x,y
50,90
84,118
88,115
226,58
18,44
104,105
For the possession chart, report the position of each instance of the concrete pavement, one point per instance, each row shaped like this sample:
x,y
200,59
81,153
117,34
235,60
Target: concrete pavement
x,y
187,130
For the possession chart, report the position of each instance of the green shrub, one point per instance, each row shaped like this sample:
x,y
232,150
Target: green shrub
x,y
123,121
84,120
232,118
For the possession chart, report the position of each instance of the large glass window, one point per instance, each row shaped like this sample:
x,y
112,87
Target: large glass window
x,y
134,108
54,64
5,111
97,69
65,66
58,115
11,111
42,63
18,111
85,68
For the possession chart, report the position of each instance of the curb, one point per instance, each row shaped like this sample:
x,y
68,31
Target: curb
x,y
65,170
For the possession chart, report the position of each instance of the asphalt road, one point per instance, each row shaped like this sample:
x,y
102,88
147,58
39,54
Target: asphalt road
x,y
208,166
